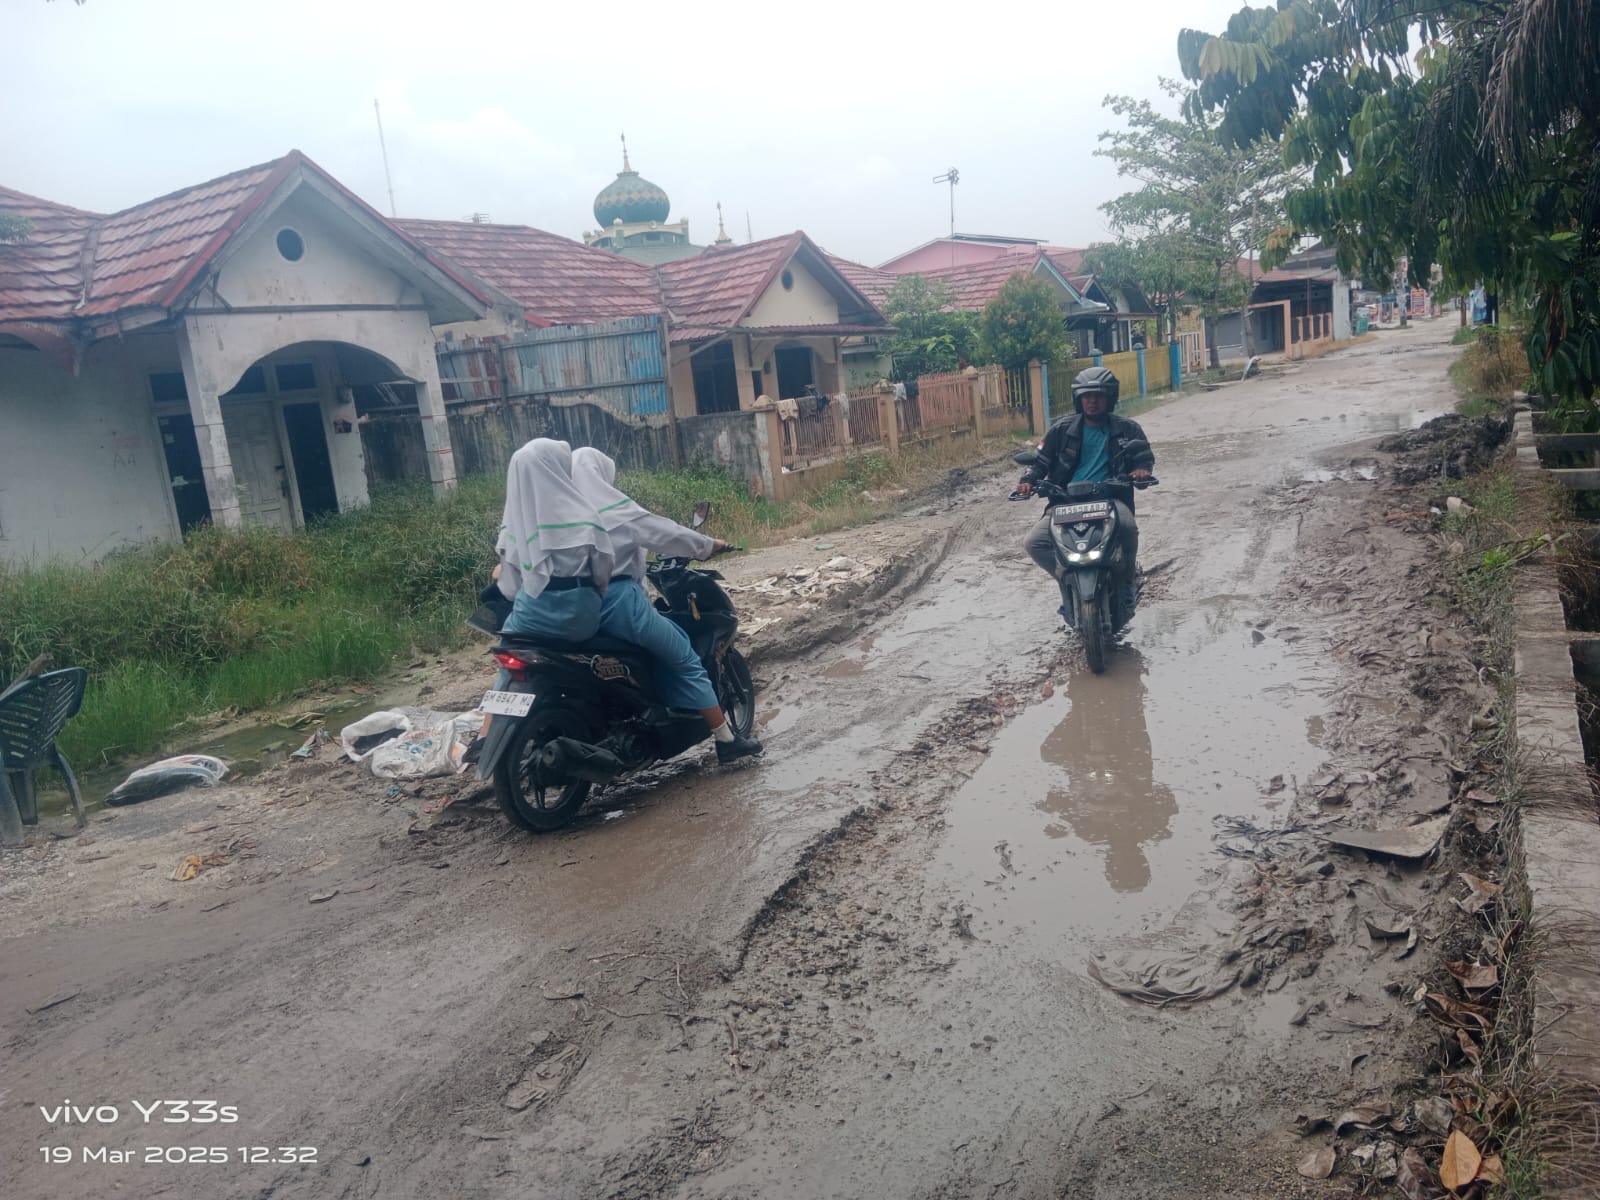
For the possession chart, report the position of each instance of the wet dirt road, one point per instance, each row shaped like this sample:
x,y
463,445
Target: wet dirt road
x,y
865,967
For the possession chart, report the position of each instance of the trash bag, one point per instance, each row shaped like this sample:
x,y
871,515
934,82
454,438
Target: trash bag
x,y
410,743
169,775
360,738
434,745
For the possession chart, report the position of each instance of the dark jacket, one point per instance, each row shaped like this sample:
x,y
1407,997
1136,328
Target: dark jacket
x,y
1063,443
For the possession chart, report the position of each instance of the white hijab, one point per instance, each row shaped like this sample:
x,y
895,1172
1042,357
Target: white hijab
x,y
594,475
546,515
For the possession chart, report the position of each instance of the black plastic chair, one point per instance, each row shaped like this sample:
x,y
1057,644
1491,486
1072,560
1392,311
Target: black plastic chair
x,y
32,714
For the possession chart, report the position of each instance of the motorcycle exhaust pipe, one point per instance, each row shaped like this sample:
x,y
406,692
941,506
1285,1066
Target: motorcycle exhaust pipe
x,y
580,760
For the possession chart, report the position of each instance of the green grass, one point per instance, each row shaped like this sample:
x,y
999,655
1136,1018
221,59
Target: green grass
x,y
244,619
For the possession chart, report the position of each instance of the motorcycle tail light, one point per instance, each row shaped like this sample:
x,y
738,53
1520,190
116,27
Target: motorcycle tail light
x,y
510,661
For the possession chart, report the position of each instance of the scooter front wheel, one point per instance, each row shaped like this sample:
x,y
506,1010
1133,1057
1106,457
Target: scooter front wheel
x,y
534,803
1091,625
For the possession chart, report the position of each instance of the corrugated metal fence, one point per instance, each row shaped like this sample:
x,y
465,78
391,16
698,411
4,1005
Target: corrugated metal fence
x,y
619,365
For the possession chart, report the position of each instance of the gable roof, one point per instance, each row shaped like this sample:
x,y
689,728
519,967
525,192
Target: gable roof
x,y
39,276
973,285
556,280
869,281
999,243
79,267
711,294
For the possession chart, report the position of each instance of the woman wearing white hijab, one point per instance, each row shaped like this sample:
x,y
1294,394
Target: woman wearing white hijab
x,y
555,557
626,611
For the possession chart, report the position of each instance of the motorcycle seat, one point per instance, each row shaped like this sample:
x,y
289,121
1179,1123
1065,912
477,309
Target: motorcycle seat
x,y
595,645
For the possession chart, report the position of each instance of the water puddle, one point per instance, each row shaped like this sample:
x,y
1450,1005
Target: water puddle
x,y
248,750
1095,808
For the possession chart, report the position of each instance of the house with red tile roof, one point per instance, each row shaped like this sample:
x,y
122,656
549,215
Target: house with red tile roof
x,y
767,318
1100,316
199,357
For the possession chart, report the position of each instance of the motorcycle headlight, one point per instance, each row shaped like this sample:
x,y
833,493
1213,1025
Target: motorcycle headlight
x,y
1094,555
1074,557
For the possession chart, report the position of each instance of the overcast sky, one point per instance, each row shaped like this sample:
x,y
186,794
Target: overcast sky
x,y
829,117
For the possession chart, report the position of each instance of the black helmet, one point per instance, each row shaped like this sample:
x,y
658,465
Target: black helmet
x,y
1096,379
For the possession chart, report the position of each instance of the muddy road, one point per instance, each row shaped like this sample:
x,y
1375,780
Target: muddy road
x,y
980,924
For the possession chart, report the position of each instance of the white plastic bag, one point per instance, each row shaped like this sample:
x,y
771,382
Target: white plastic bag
x,y
434,745
169,775
370,726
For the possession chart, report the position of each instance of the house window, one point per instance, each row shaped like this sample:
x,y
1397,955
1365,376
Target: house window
x,y
794,370
252,383
296,377
291,245
787,279
716,382
166,387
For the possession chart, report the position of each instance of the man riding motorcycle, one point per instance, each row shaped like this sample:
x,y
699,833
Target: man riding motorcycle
x,y
1089,447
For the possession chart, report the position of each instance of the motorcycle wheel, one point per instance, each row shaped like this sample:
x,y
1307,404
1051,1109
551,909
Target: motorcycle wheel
x,y
1093,630
737,693
527,801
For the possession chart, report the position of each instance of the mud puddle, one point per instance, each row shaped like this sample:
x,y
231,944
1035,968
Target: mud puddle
x,y
1096,809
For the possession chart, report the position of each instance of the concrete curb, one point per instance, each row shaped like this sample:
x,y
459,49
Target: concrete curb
x,y
1559,816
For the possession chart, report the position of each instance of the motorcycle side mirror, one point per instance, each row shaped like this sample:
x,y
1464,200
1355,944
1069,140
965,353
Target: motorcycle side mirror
x,y
701,512
1028,458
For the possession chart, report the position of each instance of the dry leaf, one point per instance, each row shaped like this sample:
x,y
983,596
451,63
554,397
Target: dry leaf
x,y
1380,933
1459,1166
187,869
1363,1116
1482,891
1483,797
1475,977
1413,1179
1305,1126
1469,1047
1458,1014
321,897
1318,1164
1492,1169
1435,1114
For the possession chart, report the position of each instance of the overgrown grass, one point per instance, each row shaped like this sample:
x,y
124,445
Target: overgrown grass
x,y
1492,367
1542,1124
242,619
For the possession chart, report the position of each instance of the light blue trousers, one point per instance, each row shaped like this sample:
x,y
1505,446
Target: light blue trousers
x,y
570,616
626,613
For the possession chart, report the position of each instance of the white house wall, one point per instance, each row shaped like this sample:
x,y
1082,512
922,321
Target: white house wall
x,y
807,303
331,270
82,470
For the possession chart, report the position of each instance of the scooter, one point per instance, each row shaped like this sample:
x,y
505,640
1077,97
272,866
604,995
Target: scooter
x,y
576,716
1084,528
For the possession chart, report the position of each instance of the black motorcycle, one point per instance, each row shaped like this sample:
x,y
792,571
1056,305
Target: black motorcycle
x,y
1084,528
574,715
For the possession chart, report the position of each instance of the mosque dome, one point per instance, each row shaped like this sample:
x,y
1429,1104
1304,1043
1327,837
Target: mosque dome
x,y
631,199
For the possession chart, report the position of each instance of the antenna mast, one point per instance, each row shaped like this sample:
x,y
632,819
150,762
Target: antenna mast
x,y
387,178
952,177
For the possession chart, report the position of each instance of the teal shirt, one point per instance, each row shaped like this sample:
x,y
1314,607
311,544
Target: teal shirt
x,y
1094,458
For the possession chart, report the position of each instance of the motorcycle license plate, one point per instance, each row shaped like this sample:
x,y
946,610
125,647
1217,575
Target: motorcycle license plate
x,y
1071,514
507,704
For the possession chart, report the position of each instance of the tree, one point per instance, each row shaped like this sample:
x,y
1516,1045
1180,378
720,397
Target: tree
x,y
1480,153
1024,321
930,334
1161,265
1204,202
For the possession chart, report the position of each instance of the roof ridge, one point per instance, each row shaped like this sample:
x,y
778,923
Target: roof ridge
x,y
55,204
272,164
